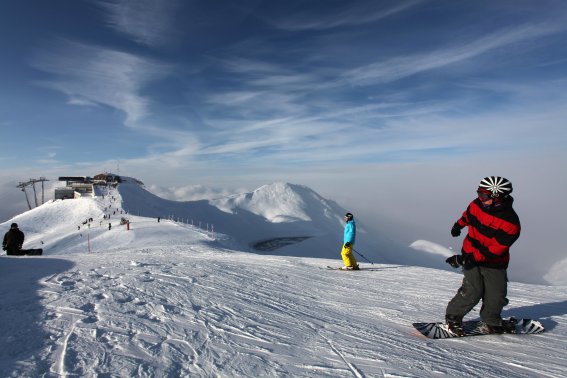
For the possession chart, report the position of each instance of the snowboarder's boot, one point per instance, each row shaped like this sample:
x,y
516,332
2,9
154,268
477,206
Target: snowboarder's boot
x,y
455,324
509,325
487,328
356,267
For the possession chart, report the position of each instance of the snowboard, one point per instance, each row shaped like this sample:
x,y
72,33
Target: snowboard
x,y
440,330
29,252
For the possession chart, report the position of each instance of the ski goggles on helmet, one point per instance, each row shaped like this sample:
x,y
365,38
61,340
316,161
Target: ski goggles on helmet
x,y
484,195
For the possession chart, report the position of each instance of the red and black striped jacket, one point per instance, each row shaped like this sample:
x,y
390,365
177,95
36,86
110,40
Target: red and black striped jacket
x,y
491,232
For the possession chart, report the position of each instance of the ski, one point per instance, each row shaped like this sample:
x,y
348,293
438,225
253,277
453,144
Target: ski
x,y
341,268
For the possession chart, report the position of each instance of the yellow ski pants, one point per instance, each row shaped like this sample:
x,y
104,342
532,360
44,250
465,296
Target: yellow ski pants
x,y
348,257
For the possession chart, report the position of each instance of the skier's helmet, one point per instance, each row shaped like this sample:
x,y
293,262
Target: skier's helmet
x,y
14,225
496,186
349,216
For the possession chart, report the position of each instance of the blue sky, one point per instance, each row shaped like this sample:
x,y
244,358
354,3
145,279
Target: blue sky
x,y
353,98
247,83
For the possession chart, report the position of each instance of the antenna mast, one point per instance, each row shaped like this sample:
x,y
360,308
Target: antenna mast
x,y
23,185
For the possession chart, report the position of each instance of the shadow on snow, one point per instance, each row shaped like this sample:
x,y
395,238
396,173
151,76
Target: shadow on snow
x,y
542,312
21,311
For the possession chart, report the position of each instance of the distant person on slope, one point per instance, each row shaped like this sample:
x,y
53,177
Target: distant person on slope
x,y
13,241
493,226
348,243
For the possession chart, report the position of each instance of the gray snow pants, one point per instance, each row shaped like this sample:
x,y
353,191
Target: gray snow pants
x,y
488,284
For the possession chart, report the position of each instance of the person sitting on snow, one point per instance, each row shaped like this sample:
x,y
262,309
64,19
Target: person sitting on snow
x,y
13,241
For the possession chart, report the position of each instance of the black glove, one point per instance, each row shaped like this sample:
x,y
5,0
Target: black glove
x,y
455,261
347,244
3,247
456,230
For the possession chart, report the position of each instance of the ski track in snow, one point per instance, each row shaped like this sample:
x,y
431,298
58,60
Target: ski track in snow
x,y
164,300
198,313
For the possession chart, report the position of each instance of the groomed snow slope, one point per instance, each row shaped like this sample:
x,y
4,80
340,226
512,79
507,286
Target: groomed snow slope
x,y
169,300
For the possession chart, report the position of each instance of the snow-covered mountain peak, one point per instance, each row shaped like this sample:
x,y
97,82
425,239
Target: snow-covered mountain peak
x,y
278,202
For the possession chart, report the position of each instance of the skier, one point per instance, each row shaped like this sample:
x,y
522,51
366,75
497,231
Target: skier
x,y
348,243
493,226
13,241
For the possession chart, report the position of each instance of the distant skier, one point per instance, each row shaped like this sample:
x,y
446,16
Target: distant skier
x,y
13,241
493,226
348,243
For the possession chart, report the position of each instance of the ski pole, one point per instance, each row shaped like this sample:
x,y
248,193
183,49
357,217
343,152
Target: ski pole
x,y
361,255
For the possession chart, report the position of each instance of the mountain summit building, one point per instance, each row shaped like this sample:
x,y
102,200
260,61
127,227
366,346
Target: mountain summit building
x,y
83,186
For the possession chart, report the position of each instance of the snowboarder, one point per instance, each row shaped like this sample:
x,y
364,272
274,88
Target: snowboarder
x,y
348,243
493,226
13,241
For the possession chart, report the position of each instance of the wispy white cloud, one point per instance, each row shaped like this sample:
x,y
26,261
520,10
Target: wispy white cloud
x,y
354,14
278,115
281,114
527,90
273,111
148,22
270,76
96,75
48,161
396,68
81,102
334,131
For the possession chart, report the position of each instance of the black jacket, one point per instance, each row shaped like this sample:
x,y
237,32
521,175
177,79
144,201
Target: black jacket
x,y
13,241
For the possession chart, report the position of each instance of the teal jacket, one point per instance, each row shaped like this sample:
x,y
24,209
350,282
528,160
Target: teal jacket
x,y
350,232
